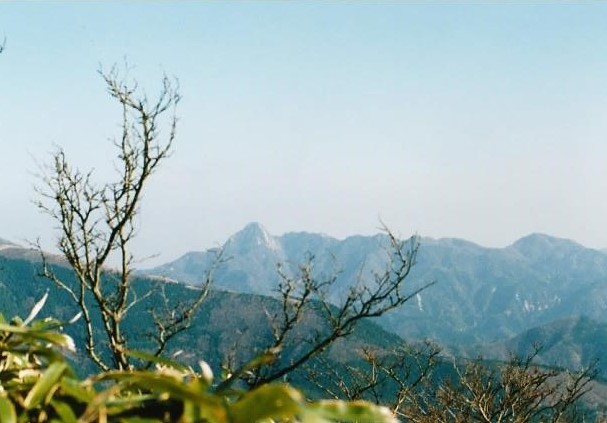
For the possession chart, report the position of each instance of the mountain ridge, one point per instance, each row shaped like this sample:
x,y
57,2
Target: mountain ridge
x,y
482,294
497,299
526,239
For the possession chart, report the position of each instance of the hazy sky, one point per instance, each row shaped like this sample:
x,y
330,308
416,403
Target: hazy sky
x,y
485,122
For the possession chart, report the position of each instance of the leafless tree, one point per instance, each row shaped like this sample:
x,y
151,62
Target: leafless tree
x,y
421,387
389,377
306,323
516,391
96,223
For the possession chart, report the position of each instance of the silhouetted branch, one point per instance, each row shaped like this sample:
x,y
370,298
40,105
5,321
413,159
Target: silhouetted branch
x,y
303,295
98,221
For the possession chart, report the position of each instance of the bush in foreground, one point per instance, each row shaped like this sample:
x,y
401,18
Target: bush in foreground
x,y
38,385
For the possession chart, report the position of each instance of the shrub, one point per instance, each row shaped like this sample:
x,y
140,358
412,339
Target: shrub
x,y
37,384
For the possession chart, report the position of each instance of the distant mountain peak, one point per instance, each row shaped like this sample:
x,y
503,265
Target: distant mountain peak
x,y
254,231
538,236
541,240
253,235
254,227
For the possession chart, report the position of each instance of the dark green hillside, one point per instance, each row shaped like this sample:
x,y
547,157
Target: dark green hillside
x,y
21,287
568,343
232,327
229,326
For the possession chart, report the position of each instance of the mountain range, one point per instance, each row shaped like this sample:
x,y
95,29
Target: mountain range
x,y
488,301
484,299
229,327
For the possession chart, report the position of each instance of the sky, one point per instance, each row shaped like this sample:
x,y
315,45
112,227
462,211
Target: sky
x,y
484,122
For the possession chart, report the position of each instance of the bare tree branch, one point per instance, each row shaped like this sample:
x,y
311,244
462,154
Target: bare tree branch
x,y
175,319
96,222
303,296
515,391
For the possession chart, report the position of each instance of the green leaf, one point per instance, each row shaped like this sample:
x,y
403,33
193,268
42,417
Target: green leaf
x,y
157,360
210,408
74,389
7,411
44,385
64,411
5,327
31,334
58,339
156,382
117,406
199,405
355,411
46,324
266,402
265,358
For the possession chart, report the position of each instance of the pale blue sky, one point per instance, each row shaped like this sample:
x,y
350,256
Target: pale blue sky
x,y
485,122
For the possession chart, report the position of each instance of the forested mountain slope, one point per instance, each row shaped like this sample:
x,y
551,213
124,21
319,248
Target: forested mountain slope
x,y
228,327
481,294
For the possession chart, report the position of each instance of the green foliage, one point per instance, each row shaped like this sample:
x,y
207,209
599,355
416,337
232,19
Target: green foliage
x,y
38,385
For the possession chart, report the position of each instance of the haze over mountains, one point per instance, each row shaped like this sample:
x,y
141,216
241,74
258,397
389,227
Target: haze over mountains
x,y
492,301
229,327
483,296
